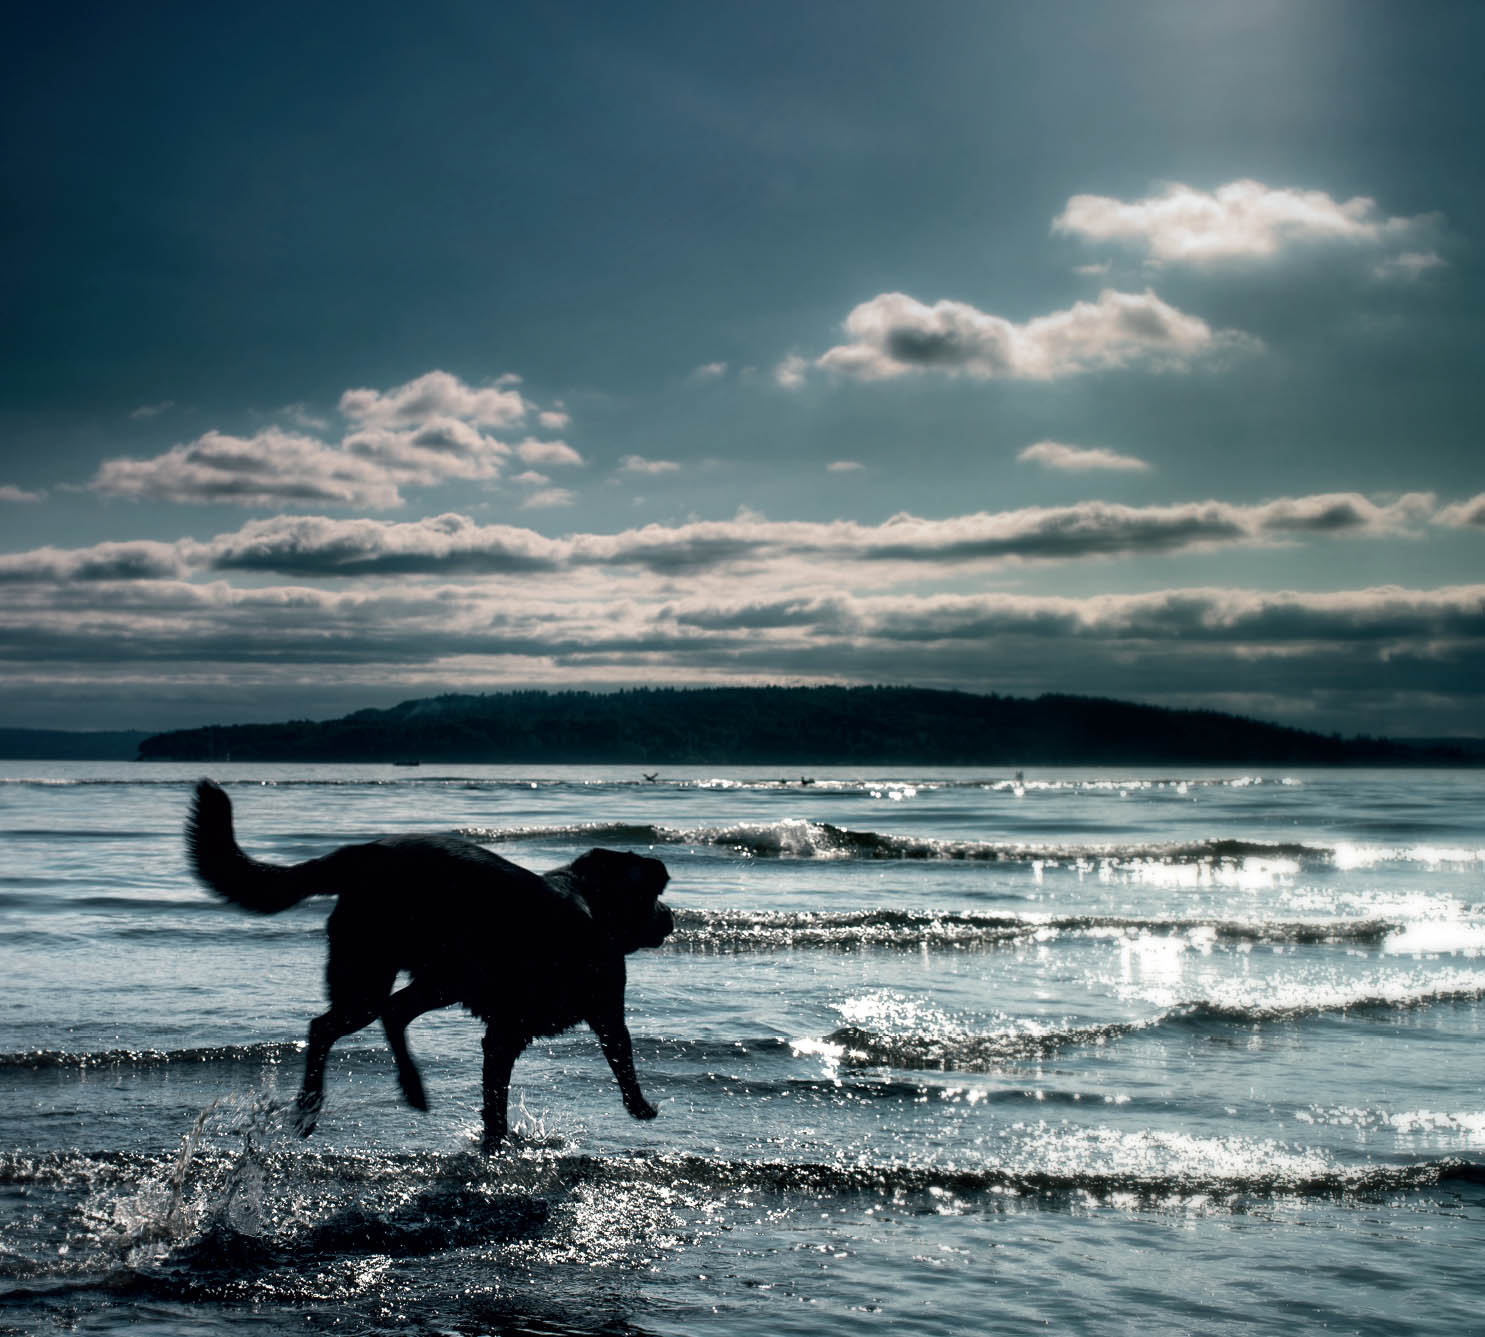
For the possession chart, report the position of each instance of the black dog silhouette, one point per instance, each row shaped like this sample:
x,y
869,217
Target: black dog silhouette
x,y
529,954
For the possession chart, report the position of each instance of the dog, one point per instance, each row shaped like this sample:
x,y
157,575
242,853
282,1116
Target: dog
x,y
529,954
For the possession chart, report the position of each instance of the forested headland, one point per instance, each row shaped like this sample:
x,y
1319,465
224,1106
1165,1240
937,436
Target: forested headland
x,y
783,726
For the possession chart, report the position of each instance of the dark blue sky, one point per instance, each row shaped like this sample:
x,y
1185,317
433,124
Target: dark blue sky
x,y
365,351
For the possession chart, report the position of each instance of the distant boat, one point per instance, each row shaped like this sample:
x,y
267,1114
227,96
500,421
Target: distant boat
x,y
407,763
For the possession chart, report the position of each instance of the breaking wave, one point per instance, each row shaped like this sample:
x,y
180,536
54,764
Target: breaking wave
x,y
799,839
63,1060
764,930
936,1045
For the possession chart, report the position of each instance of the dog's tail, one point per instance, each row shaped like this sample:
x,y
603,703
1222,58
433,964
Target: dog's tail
x,y
220,863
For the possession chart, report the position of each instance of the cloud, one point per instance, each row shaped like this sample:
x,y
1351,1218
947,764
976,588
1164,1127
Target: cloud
x,y
9,492
747,552
432,452
429,431
547,498
270,468
437,394
709,371
153,410
1409,266
1471,512
1080,459
1107,529
749,544
894,334
445,545
1198,645
549,454
141,559
300,416
1226,616
1243,220
790,372
554,420
637,464
844,466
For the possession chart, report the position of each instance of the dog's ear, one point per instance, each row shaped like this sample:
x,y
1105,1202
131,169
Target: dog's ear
x,y
614,870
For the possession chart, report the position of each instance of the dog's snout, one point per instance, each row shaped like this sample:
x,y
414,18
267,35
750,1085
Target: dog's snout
x,y
664,921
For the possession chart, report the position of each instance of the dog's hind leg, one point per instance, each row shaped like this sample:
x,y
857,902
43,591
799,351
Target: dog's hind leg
x,y
401,1009
501,1052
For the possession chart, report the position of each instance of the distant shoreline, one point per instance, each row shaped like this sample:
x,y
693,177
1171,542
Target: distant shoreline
x,y
786,727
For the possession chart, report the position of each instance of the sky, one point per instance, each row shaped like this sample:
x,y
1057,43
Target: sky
x,y
365,352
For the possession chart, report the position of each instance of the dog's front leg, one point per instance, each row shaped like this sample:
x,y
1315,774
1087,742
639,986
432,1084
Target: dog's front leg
x,y
618,1049
500,1057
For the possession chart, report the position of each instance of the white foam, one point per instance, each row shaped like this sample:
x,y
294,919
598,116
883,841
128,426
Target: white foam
x,y
1433,937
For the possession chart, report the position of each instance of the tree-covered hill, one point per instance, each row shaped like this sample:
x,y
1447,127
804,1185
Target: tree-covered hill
x,y
777,726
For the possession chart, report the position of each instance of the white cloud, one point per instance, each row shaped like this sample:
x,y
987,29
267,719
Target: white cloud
x,y
1080,459
9,492
1408,266
894,334
300,416
153,410
438,449
272,467
549,454
437,394
429,431
1201,645
749,548
141,559
1243,220
1218,615
637,464
554,420
844,466
548,498
790,372
315,545
1471,512
709,371
454,543
531,478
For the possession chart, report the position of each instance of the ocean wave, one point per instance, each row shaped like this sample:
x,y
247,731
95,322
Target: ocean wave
x,y
859,1046
883,784
936,1045
443,1199
62,1060
773,930
800,839
1302,1178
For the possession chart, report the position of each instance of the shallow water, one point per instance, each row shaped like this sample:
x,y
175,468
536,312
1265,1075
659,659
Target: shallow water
x,y
934,1051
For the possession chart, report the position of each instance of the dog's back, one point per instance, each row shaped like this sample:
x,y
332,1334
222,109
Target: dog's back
x,y
491,935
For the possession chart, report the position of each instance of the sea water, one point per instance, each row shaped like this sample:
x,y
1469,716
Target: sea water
x,y
934,1051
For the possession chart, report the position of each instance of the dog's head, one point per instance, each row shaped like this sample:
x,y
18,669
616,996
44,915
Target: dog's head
x,y
622,890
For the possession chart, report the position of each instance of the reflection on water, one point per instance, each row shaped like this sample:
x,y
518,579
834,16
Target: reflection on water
x,y
942,1052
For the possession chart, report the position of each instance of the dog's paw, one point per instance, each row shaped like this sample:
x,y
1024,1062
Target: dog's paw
x,y
641,1109
413,1093
306,1113
491,1144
